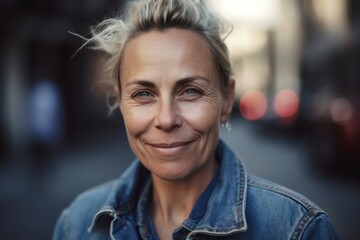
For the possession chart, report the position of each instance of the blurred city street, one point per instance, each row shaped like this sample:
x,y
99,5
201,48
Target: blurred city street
x,y
31,200
283,159
296,116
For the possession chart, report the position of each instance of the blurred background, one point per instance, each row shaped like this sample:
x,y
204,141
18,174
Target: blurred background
x,y
296,118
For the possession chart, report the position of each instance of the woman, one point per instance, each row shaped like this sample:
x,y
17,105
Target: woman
x,y
171,74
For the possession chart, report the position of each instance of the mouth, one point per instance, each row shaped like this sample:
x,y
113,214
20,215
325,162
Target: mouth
x,y
169,149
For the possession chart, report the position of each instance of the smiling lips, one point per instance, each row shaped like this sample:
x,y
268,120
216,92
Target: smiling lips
x,y
169,149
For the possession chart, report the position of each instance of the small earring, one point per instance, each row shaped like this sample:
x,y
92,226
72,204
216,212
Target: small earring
x,y
227,126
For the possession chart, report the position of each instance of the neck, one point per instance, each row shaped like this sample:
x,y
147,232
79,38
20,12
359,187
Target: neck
x,y
172,201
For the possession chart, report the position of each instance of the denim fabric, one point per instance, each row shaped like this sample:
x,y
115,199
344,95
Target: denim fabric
x,y
241,206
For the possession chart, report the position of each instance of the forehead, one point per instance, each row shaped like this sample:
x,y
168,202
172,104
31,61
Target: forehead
x,y
155,40
171,48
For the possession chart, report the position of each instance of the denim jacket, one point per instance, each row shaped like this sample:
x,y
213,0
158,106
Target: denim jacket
x,y
241,206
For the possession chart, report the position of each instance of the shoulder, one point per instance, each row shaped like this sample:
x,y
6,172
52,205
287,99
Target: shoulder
x,y
92,199
261,189
290,213
89,207
75,220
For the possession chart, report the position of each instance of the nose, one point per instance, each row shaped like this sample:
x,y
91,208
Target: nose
x,y
167,117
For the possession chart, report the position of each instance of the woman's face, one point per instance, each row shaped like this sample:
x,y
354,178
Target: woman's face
x,y
171,102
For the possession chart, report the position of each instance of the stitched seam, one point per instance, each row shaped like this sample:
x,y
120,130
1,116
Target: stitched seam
x,y
65,225
286,192
303,223
242,177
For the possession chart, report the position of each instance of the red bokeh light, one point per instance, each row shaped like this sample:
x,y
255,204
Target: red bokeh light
x,y
286,103
253,105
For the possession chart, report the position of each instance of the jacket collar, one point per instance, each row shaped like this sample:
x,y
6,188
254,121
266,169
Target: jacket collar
x,y
122,197
229,195
228,199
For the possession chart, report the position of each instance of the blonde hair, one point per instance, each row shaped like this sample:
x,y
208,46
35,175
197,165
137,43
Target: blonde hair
x,y
140,16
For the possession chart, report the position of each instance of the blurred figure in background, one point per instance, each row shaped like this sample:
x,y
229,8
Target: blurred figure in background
x,y
45,122
171,73
45,113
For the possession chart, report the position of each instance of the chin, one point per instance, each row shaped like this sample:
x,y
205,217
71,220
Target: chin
x,y
173,174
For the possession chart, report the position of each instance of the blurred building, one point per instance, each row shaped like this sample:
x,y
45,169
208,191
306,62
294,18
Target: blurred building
x,y
296,63
330,86
36,47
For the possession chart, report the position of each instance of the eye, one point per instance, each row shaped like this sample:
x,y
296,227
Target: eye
x,y
192,91
142,94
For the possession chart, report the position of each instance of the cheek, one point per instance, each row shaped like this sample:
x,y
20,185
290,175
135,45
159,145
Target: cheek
x,y
137,119
202,117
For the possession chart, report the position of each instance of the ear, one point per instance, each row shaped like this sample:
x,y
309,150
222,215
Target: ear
x,y
116,90
228,101
117,94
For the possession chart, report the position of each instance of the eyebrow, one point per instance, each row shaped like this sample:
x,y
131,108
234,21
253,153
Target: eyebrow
x,y
187,80
142,83
180,82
